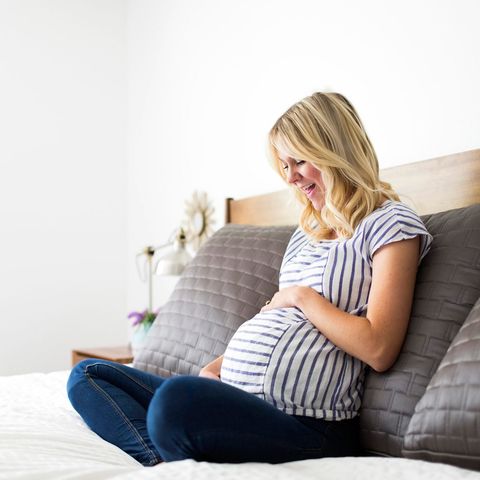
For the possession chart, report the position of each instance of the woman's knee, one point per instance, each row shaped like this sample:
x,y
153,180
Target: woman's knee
x,y
172,415
170,403
78,376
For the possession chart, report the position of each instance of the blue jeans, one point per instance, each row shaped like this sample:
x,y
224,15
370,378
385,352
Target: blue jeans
x,y
154,419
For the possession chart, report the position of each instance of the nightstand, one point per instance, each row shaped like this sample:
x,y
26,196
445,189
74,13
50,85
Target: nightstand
x,y
120,354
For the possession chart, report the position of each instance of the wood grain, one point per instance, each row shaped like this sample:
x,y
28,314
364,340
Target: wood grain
x,y
429,186
120,354
438,184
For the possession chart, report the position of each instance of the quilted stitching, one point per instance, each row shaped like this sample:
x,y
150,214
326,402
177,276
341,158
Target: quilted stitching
x,y
445,425
448,284
227,283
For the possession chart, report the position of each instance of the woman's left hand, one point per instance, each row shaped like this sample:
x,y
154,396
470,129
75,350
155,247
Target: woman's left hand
x,y
286,297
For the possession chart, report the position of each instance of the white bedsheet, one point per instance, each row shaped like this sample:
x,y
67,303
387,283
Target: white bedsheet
x,y
42,438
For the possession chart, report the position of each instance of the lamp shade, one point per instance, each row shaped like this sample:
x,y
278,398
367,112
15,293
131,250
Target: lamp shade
x,y
174,262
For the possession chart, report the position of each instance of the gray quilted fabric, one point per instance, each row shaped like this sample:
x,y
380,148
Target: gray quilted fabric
x,y
228,282
448,285
237,270
445,426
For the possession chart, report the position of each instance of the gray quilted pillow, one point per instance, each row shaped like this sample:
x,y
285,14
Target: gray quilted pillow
x,y
227,282
448,285
445,426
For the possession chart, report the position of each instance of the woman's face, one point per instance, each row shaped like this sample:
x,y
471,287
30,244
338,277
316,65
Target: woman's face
x,y
306,177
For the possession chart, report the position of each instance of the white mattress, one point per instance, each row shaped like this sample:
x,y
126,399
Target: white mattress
x,y
42,437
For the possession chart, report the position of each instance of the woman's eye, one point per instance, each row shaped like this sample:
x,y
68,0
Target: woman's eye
x,y
299,162
285,166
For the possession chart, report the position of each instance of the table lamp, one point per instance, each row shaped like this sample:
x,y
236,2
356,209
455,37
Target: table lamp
x,y
171,263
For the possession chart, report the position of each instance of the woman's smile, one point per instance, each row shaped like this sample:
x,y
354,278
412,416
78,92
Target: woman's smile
x,y
309,189
306,177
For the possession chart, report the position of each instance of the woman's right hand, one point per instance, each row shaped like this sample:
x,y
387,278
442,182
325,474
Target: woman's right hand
x,y
206,374
212,370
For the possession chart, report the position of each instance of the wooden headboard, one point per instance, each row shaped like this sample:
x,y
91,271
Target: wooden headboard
x,y
429,186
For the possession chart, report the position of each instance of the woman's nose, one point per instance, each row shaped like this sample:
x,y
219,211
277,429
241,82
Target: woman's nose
x,y
292,175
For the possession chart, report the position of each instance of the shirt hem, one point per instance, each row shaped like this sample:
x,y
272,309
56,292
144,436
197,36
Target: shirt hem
x,y
329,415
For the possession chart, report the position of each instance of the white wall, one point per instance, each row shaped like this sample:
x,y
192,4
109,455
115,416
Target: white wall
x,y
112,112
62,180
208,78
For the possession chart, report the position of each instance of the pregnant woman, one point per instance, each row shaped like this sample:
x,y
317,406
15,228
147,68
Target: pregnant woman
x,y
289,385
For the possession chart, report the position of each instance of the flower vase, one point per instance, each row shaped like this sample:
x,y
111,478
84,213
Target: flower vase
x,y
139,337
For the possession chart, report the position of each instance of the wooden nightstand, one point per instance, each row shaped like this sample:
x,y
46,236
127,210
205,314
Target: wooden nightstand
x,y
121,354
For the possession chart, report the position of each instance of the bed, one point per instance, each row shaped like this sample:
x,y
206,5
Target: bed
x,y
419,420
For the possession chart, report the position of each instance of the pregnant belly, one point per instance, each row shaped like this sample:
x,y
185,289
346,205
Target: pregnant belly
x,y
250,350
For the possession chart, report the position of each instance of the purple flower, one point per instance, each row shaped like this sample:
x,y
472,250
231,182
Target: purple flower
x,y
137,317
145,317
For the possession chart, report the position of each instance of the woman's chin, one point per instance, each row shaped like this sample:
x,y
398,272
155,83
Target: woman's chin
x,y
317,204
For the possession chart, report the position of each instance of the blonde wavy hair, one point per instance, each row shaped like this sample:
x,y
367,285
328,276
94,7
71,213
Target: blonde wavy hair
x,y
325,130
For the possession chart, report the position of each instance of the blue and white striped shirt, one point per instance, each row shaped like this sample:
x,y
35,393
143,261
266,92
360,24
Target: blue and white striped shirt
x,y
281,357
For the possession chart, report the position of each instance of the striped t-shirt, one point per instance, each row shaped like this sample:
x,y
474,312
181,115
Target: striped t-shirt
x,y
281,357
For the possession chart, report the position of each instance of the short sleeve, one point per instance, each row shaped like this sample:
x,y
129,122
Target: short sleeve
x,y
392,223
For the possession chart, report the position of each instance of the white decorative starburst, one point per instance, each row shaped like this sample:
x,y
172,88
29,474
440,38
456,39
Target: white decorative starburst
x,y
199,222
